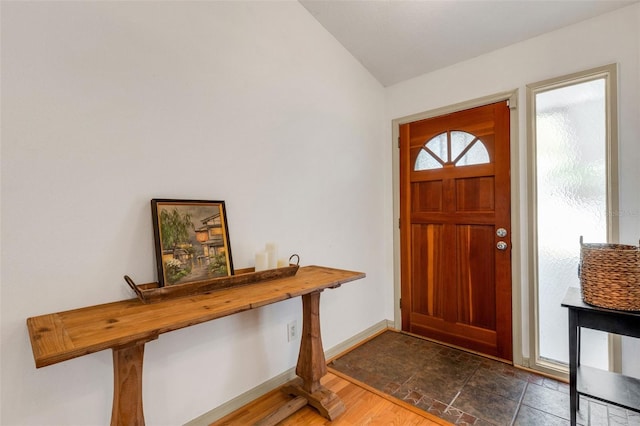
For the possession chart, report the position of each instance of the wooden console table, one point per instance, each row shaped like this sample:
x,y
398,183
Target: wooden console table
x,y
125,327
602,385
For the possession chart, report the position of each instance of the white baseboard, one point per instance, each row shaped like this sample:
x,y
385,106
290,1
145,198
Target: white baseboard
x,y
282,378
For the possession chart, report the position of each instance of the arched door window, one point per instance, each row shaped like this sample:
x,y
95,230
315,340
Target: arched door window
x,y
455,148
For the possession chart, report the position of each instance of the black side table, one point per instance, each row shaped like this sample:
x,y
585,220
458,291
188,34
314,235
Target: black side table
x,y
602,385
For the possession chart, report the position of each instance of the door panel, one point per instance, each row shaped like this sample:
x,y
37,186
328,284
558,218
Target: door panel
x,y
476,290
427,270
475,194
426,196
454,195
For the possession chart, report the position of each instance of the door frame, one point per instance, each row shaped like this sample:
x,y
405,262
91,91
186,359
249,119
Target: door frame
x,y
516,220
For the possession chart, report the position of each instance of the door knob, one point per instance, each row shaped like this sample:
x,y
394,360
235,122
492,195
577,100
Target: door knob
x,y
501,245
501,232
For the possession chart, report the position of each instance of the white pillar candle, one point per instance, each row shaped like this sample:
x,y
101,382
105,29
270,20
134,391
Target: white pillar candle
x,y
262,261
272,249
283,263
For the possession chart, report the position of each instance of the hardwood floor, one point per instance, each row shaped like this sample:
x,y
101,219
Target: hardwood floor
x,y
365,405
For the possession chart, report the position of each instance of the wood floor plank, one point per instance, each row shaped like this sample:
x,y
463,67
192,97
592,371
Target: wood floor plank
x,y
364,406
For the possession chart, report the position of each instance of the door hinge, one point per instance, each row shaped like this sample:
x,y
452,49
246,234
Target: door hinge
x,y
400,303
398,142
399,223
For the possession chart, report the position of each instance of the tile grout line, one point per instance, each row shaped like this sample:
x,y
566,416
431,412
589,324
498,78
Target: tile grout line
x,y
452,401
515,414
462,387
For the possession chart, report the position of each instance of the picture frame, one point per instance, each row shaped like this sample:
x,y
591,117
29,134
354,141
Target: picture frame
x,y
191,240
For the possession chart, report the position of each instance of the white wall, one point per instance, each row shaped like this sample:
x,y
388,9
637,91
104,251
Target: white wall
x,y
109,104
611,38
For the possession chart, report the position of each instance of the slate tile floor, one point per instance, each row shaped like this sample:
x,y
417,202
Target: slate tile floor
x,y
467,389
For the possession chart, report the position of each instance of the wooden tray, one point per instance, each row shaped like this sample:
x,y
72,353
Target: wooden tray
x,y
152,292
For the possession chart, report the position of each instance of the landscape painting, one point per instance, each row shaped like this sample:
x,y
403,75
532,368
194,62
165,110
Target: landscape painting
x,y
191,240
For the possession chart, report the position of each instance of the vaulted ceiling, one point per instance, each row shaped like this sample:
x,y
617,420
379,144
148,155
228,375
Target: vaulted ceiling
x,y
400,39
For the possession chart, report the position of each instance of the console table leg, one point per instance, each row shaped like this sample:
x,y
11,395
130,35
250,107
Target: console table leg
x,y
312,365
574,348
127,386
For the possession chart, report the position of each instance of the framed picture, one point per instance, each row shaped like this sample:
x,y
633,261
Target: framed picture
x,y
191,239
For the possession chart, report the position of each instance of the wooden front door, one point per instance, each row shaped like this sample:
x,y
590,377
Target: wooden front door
x,y
455,229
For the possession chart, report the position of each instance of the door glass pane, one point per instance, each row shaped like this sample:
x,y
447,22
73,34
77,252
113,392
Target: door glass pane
x,y
425,161
439,149
477,153
459,141
438,145
571,201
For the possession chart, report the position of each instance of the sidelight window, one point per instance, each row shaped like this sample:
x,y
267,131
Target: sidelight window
x,y
572,195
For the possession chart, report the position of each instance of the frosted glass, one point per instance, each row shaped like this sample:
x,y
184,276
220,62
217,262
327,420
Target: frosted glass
x,y
459,141
571,201
438,145
425,161
477,154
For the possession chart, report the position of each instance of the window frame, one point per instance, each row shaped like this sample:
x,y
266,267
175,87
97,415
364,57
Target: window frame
x,y
451,160
610,75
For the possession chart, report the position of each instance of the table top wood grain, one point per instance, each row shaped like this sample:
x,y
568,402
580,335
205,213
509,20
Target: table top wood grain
x,y
65,335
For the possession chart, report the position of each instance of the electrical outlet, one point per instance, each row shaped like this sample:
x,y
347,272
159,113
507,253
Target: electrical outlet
x,y
292,331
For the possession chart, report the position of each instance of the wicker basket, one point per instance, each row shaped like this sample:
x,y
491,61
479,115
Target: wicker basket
x,y
610,275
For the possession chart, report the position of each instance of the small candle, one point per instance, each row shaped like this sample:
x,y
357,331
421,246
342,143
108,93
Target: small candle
x,y
283,263
262,261
272,250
